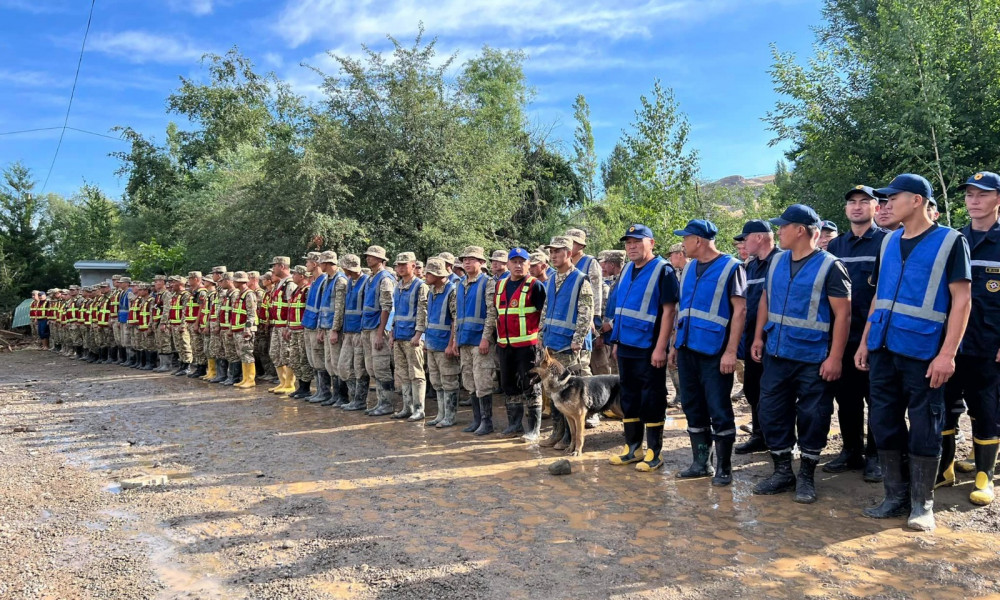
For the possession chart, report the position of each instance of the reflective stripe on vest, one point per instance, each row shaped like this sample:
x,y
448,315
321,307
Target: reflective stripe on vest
x,y
193,309
238,312
798,316
310,319
635,315
145,313
438,332
561,311
912,296
326,300
279,306
176,315
517,318
404,326
296,308
353,305
372,312
702,308
225,310
470,316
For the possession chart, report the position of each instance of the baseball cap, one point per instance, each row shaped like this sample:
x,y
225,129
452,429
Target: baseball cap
x,y
864,189
799,214
907,182
829,226
637,232
753,226
699,227
518,253
983,180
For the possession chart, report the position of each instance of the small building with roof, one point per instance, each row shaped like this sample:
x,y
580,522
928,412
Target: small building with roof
x,y
94,271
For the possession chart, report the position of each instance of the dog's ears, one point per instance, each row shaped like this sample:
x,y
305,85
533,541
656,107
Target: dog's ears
x,y
548,355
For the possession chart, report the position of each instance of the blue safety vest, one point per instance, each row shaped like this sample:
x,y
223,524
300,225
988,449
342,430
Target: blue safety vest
x,y
326,313
310,318
609,304
438,332
354,304
471,310
404,326
638,304
798,313
550,273
123,303
452,278
704,310
371,316
912,296
561,312
982,336
756,278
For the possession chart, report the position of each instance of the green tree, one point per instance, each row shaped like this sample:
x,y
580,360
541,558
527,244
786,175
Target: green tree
x,y
22,258
584,156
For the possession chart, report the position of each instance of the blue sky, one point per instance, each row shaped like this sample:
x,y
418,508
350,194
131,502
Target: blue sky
x,y
713,53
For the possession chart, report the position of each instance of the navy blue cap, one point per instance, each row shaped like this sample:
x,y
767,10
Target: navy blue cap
x,y
753,226
699,227
983,180
829,226
799,214
907,182
518,253
867,190
637,232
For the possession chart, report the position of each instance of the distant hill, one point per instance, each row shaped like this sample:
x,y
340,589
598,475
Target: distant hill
x,y
739,181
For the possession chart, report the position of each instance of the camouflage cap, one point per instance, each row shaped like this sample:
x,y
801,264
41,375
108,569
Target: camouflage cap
x,y
227,276
194,274
145,286
281,260
419,264
52,291
538,258
220,270
405,257
74,287
267,275
300,270
377,252
678,247
476,252
253,274
350,262
613,256
312,256
436,266
328,257
124,279
447,257
209,283
116,277
560,241
176,279
240,277
159,277
104,284
499,256
577,235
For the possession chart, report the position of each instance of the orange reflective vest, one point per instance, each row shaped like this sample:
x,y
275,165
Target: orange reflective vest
x,y
238,312
278,308
225,310
517,318
177,306
144,314
193,309
296,307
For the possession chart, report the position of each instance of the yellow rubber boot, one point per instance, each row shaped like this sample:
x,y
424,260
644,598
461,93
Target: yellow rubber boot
x,y
281,380
986,459
289,381
243,376
210,374
946,468
249,375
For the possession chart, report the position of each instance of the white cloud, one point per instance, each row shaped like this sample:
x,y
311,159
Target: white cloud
x,y
196,7
29,78
304,20
143,47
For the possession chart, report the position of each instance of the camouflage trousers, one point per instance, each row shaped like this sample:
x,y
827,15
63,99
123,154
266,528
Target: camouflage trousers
x,y
314,348
34,329
229,351
478,370
144,340
350,356
331,352
182,342
443,371
262,346
244,342
409,361
297,356
215,348
378,363
116,331
279,347
197,344
75,335
164,340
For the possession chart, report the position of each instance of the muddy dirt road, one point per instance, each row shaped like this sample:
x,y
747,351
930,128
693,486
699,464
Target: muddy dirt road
x,y
275,498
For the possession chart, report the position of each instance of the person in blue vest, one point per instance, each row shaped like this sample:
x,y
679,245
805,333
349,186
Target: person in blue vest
x,y
351,363
377,309
312,335
758,242
802,325
449,265
710,319
858,251
566,323
645,305
612,262
331,312
470,322
443,368
916,322
408,326
977,365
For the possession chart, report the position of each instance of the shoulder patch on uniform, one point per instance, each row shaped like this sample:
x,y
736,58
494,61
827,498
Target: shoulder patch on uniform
x,y
993,286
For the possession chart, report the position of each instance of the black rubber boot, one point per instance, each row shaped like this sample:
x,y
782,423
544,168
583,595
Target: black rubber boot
x,y
196,371
654,445
451,409
701,453
632,453
141,362
131,355
486,423
723,461
150,360
332,395
181,370
477,415
805,483
515,413
231,370
923,472
559,428
873,469
384,406
323,392
896,481
986,461
360,400
112,356
221,370
754,444
532,423
849,459
782,480
93,357
302,390
946,468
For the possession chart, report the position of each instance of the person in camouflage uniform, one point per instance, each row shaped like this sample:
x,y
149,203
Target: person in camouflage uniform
x,y
143,339
331,320
192,319
205,328
376,308
281,294
351,363
443,367
243,327
298,358
253,283
176,319
408,326
263,340
230,374
161,320
311,335
210,335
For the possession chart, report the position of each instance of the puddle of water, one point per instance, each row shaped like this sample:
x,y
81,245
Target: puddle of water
x,y
113,487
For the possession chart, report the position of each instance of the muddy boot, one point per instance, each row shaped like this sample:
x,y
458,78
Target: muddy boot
x,y
384,406
477,415
558,429
923,472
967,465
782,480
467,401
151,357
160,368
486,423
723,461
407,410
132,358
322,388
332,396
986,461
222,371
895,481
946,468
344,394
532,423
442,402
79,353
92,357
450,409
418,389
633,442
231,368
567,437
359,400
654,444
181,370
515,412
873,469
302,390
849,459
701,453
196,371
805,483
140,363
111,356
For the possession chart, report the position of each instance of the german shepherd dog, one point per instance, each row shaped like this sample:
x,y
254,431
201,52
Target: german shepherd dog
x,y
577,397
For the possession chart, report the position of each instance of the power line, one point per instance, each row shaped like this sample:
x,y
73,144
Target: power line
x,y
110,137
72,93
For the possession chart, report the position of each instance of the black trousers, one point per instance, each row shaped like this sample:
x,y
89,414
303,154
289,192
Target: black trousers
x,y
515,369
851,392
